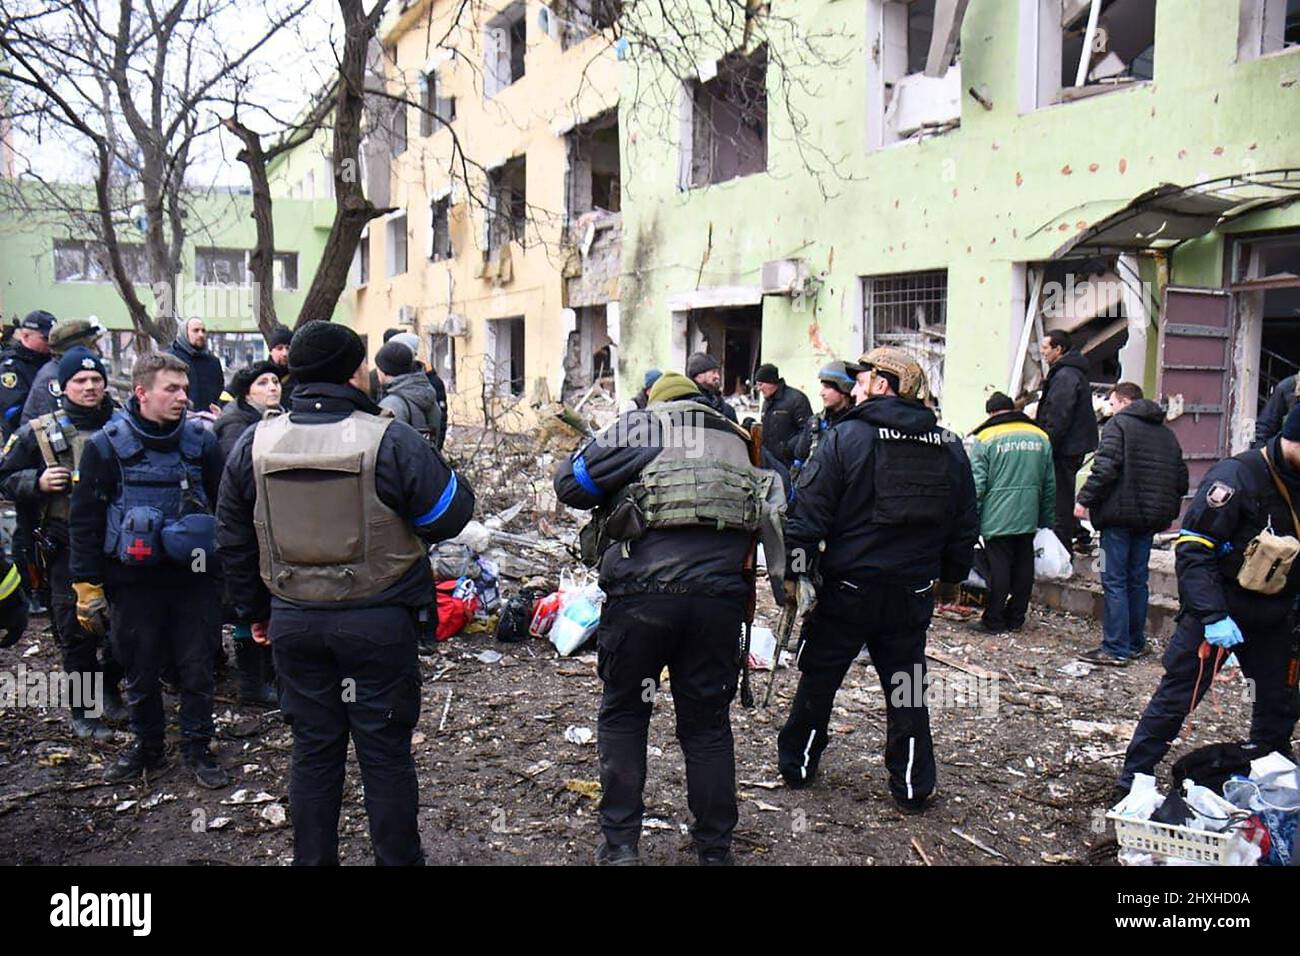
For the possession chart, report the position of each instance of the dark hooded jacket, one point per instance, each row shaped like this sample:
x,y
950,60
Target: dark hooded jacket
x,y
891,495
784,415
412,399
207,380
1065,410
1138,475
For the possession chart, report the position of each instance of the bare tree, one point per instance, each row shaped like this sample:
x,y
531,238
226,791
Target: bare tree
x,y
134,86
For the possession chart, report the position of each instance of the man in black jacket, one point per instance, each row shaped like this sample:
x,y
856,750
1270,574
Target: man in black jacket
x,y
141,532
837,398
37,471
1276,410
1237,500
1135,489
883,513
706,372
207,379
342,576
1065,413
676,597
785,411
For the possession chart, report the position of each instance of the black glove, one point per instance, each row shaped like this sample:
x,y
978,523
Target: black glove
x,y
13,617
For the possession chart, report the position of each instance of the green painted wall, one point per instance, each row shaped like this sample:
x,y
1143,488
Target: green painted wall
x,y
1005,188
221,220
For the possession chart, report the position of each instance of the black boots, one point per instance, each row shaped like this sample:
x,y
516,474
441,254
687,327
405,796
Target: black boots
x,y
617,854
142,758
86,727
255,674
206,769
115,709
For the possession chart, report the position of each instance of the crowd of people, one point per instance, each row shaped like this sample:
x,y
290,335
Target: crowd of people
x,y
297,502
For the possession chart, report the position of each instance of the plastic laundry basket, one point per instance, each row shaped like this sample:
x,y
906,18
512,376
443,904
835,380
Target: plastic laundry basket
x,y
1199,846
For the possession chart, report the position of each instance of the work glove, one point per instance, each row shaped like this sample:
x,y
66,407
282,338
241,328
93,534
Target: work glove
x,y
13,609
92,608
1224,633
800,592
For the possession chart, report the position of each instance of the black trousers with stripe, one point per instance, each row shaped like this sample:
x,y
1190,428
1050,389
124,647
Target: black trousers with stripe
x,y
892,621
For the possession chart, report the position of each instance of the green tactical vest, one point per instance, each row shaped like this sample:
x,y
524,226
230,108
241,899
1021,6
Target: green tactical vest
x,y
46,429
322,531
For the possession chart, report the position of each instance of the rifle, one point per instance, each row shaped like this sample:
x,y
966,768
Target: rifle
x,y
751,577
789,611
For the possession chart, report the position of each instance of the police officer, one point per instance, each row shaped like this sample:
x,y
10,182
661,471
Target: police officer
x,y
13,604
1229,602
24,359
142,534
325,517
38,470
837,398
673,571
44,393
890,496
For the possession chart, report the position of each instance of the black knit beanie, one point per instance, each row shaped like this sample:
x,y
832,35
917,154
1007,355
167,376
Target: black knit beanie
x,y
325,352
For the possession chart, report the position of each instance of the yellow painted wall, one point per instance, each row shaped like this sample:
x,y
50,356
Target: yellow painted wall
x,y
560,89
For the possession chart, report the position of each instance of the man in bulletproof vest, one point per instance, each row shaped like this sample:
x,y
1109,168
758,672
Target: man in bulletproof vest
x,y
1237,586
38,469
325,517
883,513
70,333
142,535
681,502
837,398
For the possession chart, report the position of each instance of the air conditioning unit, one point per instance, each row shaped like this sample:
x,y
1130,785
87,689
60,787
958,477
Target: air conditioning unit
x,y
785,276
406,315
455,324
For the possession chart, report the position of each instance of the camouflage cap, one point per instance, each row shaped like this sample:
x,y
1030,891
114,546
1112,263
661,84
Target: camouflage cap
x,y
72,332
889,358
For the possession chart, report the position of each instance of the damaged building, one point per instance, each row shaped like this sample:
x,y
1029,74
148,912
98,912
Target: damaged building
x,y
503,249
974,175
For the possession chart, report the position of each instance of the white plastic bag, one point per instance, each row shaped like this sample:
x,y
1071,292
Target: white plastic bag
x,y
580,602
1051,559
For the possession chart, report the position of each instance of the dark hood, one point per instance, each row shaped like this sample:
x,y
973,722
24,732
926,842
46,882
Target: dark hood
x,y
1071,359
414,386
1004,418
890,411
183,344
328,397
1145,409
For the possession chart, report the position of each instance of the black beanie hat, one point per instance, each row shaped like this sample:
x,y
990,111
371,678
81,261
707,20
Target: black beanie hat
x,y
324,351
79,359
243,380
394,359
281,335
767,374
699,363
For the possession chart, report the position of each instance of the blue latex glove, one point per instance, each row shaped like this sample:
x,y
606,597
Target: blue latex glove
x,y
1224,633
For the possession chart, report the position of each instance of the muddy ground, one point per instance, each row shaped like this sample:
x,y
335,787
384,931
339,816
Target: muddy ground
x,y
1022,777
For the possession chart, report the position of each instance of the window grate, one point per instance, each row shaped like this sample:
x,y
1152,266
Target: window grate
x,y
909,310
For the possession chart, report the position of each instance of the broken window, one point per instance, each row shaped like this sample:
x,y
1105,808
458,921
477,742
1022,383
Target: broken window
x,y
284,271
1266,282
220,267
727,137
734,336
396,243
505,44
1087,47
76,260
438,110
579,19
913,74
507,212
909,310
587,358
440,229
361,260
594,167
442,359
506,356
1268,26
397,141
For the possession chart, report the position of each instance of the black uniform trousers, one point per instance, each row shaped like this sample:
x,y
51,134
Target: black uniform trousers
x,y
698,639
1264,657
81,649
1010,579
154,626
892,620
1066,470
351,672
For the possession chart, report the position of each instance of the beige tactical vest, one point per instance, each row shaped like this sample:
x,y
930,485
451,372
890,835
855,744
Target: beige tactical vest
x,y
57,506
322,531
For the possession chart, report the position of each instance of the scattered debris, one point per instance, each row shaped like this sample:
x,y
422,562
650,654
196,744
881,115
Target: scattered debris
x,y
274,814
579,735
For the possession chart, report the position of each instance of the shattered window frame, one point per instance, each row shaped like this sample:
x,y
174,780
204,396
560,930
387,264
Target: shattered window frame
x,y
396,236
505,35
211,263
909,310
1062,22
507,209
740,88
1267,27
440,229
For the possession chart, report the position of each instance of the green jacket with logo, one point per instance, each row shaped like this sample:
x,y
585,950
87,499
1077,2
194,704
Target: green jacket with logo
x,y
1015,486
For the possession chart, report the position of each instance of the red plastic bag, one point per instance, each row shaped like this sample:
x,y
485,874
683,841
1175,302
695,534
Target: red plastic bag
x,y
456,606
544,614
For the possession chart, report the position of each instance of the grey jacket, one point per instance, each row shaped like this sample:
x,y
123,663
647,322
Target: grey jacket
x,y
412,399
